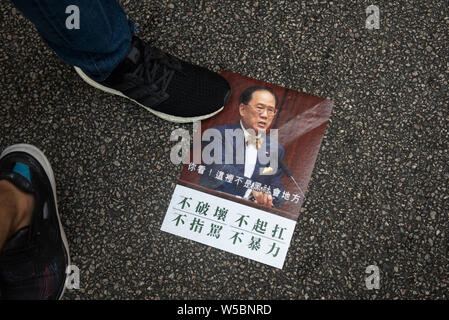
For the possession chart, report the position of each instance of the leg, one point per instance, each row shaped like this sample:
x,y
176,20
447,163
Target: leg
x,y
97,47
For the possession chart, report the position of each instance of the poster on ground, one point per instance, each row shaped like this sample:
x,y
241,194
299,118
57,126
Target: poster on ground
x,y
246,175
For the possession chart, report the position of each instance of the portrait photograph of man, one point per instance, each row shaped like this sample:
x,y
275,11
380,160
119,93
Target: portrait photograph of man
x,y
257,109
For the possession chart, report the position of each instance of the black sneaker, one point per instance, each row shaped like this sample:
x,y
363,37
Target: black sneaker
x,y
171,89
33,262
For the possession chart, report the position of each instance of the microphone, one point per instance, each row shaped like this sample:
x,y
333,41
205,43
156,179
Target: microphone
x,y
289,174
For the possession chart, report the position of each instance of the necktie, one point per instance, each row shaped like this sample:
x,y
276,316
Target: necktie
x,y
255,141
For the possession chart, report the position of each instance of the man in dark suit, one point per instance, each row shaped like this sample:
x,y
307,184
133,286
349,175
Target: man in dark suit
x,y
246,161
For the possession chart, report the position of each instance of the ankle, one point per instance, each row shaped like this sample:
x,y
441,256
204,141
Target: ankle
x,y
17,205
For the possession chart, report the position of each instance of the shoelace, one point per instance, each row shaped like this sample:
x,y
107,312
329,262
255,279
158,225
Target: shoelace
x,y
157,69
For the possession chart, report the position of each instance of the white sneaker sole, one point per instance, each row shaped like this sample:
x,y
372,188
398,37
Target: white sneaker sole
x,y
157,113
43,161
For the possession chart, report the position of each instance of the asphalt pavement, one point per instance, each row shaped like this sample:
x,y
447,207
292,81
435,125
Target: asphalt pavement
x,y
379,190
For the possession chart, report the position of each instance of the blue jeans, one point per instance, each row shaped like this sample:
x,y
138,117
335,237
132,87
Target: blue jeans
x,y
97,47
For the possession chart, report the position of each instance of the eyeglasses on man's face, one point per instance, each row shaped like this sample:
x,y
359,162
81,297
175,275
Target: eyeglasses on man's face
x,y
260,108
